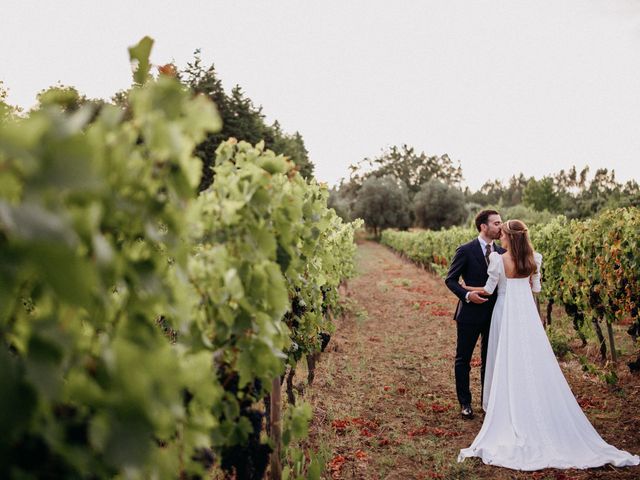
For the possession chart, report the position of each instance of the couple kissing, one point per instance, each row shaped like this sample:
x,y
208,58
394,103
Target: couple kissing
x,y
532,419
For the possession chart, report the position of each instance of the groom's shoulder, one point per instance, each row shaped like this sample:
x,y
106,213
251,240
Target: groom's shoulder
x,y
468,245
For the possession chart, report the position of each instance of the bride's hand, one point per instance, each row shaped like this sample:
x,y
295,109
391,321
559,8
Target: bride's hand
x,y
475,297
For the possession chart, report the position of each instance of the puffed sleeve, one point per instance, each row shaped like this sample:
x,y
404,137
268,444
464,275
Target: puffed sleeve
x,y
493,271
536,284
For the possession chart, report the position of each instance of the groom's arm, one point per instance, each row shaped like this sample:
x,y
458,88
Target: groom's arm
x,y
456,269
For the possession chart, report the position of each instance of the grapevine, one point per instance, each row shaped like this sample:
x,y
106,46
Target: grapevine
x,y
142,323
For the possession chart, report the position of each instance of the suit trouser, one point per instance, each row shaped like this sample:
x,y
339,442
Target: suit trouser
x,y
468,334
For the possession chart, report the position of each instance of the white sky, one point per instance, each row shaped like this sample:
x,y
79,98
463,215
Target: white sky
x,y
503,86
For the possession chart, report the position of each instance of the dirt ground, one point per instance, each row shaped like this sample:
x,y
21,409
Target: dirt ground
x,y
384,394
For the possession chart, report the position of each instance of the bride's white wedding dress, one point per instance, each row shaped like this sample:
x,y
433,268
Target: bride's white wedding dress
x,y
532,419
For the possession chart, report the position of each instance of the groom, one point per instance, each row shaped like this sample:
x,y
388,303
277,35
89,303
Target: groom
x,y
473,313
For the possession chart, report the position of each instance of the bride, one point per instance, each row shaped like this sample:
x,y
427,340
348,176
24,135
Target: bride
x,y
532,418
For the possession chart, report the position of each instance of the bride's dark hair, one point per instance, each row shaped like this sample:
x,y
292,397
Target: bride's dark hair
x,y
520,247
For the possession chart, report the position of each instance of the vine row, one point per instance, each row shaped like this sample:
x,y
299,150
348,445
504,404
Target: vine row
x,y
143,323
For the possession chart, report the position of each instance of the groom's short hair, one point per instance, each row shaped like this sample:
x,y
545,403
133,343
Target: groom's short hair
x,y
483,217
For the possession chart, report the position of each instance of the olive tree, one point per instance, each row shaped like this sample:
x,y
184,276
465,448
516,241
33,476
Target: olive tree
x,y
438,205
383,202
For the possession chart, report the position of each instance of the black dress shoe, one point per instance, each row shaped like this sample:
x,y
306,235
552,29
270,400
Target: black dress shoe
x,y
466,412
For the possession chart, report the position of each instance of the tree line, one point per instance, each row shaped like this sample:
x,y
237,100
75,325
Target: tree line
x,y
403,187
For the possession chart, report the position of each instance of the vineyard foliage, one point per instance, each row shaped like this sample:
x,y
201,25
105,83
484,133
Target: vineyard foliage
x,y
140,321
594,263
429,248
591,264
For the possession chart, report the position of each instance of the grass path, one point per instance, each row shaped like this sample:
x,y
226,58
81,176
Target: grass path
x,y
384,395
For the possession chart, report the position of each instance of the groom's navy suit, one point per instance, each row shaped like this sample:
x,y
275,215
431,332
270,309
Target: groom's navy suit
x,y
473,320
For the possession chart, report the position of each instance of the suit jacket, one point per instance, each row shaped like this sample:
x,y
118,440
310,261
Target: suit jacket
x,y
470,264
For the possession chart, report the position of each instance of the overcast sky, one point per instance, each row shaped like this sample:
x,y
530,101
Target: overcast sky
x,y
503,87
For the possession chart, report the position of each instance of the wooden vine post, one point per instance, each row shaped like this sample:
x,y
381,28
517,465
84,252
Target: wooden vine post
x,y
276,430
612,345
549,311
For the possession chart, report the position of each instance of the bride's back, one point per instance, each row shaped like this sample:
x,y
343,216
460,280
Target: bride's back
x,y
510,267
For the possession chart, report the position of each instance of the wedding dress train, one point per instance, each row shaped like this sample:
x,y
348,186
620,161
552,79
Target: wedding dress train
x,y
532,419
